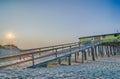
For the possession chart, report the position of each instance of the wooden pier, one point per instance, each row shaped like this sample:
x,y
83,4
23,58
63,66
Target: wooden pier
x,y
42,56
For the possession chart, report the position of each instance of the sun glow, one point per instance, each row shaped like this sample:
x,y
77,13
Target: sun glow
x,y
10,36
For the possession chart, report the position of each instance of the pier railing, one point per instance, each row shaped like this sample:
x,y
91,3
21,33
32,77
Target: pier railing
x,y
37,53
49,53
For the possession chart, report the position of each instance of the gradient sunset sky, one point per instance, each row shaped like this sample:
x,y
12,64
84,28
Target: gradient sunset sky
x,y
37,23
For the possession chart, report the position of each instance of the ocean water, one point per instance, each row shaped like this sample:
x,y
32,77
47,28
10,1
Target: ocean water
x,y
103,68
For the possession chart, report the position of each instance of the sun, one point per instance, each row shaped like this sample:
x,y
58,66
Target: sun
x,y
10,36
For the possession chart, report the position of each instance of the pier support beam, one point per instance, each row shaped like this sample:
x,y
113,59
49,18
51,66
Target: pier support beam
x,y
114,53
88,51
115,50
77,54
59,61
85,55
75,57
107,51
92,53
69,60
99,53
105,47
82,56
102,51
118,51
95,50
111,50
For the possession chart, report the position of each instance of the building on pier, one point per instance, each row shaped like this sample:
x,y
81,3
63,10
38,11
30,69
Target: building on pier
x,y
113,37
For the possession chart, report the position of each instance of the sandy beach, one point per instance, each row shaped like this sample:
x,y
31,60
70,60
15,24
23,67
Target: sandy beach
x,y
102,68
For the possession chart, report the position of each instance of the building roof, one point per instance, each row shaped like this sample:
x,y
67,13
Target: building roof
x,y
98,35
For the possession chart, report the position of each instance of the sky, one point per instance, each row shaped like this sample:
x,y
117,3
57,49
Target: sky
x,y
38,23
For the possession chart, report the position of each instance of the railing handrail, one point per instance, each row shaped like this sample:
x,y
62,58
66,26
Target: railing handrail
x,y
49,46
36,52
68,46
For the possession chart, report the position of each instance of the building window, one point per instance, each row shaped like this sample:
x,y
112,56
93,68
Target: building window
x,y
115,35
103,36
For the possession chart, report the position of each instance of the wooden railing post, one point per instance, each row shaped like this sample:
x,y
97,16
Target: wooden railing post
x,y
62,49
39,50
33,63
69,60
79,50
56,53
75,57
20,57
79,46
70,49
53,49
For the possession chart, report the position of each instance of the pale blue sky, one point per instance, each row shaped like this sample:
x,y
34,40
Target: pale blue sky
x,y
39,23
